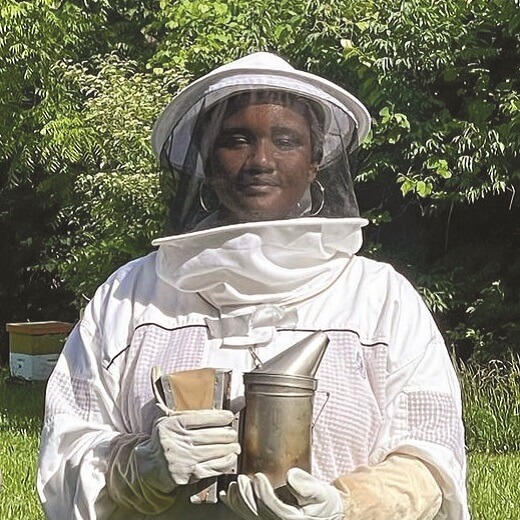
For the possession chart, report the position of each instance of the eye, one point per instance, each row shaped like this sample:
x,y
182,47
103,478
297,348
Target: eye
x,y
233,140
287,140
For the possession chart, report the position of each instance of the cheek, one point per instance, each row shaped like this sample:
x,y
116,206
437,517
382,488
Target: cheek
x,y
227,163
300,170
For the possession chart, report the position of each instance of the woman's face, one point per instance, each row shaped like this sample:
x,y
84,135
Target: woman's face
x,y
261,162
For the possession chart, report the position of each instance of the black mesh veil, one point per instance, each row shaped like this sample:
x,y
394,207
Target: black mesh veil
x,y
191,144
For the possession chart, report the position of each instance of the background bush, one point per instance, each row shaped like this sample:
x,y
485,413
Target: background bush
x,y
82,82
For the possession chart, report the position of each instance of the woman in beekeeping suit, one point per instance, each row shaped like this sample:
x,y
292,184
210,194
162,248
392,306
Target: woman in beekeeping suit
x,y
263,233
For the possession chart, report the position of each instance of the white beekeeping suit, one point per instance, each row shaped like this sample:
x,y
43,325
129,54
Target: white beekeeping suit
x,y
255,264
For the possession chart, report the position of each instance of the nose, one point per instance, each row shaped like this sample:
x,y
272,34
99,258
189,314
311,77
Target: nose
x,y
261,156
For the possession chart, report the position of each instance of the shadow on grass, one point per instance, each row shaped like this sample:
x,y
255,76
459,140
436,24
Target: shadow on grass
x,y
21,403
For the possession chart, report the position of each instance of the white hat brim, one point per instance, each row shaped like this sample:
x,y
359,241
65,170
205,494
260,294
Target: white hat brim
x,y
189,96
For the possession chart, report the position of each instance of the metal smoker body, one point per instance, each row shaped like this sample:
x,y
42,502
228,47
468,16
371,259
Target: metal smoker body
x,y
276,425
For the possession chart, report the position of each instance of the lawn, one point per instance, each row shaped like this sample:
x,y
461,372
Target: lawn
x,y
493,479
494,492
21,407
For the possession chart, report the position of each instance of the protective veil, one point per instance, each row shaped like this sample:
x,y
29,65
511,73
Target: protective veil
x,y
260,251
191,129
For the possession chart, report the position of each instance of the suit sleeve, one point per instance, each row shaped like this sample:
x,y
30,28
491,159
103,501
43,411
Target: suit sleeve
x,y
423,410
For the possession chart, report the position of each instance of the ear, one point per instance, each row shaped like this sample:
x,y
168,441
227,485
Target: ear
x,y
313,170
208,168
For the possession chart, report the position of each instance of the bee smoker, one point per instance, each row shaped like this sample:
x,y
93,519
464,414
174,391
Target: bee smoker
x,y
276,424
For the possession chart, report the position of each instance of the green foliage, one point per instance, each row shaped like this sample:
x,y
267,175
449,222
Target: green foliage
x,y
115,206
40,132
117,218
196,37
449,68
474,290
82,82
33,36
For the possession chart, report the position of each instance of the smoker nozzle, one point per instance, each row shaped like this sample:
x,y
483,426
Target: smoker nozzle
x,y
302,359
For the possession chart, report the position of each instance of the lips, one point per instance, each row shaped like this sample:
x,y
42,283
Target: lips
x,y
257,182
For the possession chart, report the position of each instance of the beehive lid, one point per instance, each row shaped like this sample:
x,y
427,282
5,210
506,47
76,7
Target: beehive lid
x,y
35,328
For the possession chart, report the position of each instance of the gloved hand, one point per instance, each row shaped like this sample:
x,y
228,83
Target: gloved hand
x,y
402,486
254,498
183,448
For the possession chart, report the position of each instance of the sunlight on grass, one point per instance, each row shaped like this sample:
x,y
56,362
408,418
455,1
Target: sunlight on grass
x,y
21,407
493,486
494,493
491,395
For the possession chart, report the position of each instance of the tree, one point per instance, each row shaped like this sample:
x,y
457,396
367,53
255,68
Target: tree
x,y
40,132
118,205
438,77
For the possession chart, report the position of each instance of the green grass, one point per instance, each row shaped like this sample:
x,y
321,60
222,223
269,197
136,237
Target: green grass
x,y
494,493
491,398
21,408
491,395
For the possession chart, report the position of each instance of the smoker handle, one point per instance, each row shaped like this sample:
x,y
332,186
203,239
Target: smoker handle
x,y
327,394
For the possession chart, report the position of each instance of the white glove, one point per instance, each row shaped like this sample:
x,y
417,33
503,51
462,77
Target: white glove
x,y
401,486
183,448
254,498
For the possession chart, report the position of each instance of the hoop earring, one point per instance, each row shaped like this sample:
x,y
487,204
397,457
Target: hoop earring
x,y
322,201
203,204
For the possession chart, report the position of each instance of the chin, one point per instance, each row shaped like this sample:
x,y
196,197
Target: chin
x,y
258,215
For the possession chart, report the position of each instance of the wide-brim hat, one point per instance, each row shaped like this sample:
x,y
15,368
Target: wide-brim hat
x,y
261,71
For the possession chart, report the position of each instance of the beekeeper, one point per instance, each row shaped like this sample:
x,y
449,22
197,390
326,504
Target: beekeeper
x,y
261,252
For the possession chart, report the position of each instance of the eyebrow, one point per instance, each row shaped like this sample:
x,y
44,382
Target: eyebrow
x,y
276,128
